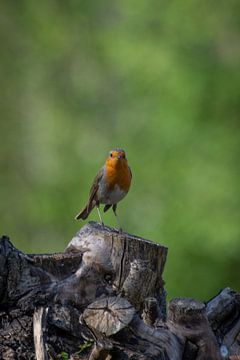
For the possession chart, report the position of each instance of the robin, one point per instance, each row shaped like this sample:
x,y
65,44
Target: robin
x,y
110,185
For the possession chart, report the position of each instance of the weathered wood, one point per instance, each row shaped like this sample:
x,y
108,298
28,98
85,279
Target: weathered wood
x,y
225,304
39,328
106,300
101,351
128,262
223,312
187,318
151,311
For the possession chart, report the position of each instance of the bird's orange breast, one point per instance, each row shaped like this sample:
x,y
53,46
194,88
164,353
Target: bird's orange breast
x,y
118,173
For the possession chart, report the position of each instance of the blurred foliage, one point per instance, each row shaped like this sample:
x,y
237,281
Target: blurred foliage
x,y
160,79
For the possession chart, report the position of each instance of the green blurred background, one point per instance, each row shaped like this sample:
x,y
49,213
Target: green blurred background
x,y
160,79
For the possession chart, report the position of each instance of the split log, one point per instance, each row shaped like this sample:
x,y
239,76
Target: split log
x,y
104,298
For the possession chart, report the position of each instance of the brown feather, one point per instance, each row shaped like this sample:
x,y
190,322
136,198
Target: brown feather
x,y
92,197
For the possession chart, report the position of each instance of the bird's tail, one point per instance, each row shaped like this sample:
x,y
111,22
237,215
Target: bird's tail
x,y
85,212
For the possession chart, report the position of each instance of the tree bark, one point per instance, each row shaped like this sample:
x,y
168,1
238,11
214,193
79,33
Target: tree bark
x,y
104,298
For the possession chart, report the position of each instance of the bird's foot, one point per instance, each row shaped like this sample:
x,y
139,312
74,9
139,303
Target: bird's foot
x,y
101,223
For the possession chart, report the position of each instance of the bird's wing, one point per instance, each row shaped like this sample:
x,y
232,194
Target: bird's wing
x,y
130,171
95,186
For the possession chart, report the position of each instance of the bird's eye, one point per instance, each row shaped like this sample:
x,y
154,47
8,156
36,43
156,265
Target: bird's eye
x,y
124,157
111,154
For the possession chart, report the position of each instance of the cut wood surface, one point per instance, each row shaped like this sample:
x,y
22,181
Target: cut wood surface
x,y
104,298
109,315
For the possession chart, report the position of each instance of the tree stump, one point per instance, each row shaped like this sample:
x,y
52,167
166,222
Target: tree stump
x,y
104,298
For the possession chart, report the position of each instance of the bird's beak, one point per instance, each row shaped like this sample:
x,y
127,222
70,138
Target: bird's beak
x,y
118,157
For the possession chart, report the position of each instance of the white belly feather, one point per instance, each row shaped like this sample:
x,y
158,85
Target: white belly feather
x,y
110,197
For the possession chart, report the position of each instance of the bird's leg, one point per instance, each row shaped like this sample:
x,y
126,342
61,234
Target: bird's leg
x,y
99,214
115,213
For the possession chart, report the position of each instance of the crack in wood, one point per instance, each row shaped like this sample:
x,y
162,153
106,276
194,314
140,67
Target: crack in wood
x,y
122,263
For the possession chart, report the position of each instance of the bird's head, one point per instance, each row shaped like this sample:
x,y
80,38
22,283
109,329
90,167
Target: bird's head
x,y
116,157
